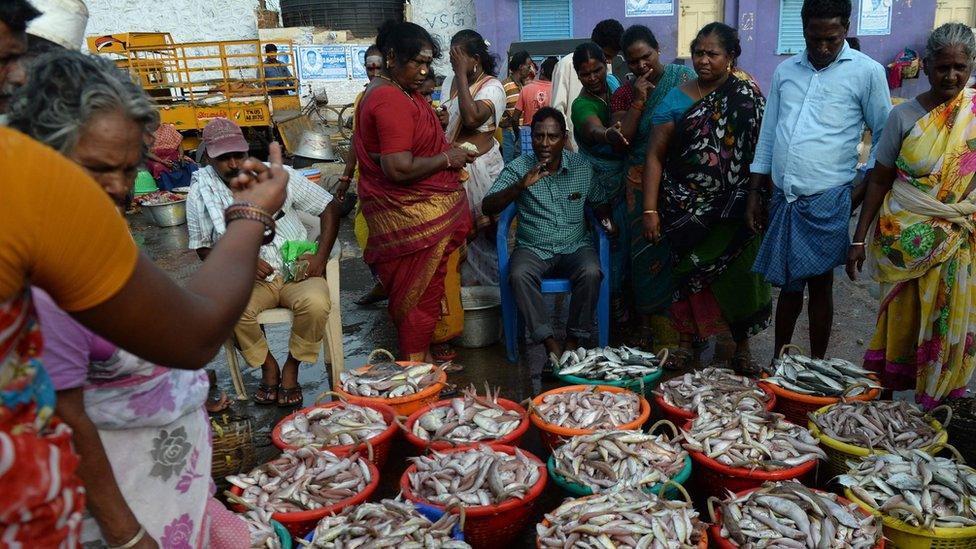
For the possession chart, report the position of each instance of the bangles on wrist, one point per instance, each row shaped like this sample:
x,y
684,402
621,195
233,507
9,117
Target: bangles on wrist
x,y
132,541
246,210
448,158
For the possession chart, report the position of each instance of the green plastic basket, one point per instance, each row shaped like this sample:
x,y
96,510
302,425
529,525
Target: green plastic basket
x,y
283,534
576,489
145,183
649,381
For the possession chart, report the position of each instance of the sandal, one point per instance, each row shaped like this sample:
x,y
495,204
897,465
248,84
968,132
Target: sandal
x,y
290,397
443,352
375,295
743,364
678,359
217,400
267,394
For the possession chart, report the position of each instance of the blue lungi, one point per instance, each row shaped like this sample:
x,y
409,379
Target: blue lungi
x,y
805,238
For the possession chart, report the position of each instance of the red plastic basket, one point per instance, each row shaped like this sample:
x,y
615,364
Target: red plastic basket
x,y
512,439
300,523
554,436
796,406
404,405
380,443
716,529
490,526
679,416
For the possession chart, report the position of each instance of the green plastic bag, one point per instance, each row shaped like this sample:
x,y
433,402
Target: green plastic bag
x,y
296,270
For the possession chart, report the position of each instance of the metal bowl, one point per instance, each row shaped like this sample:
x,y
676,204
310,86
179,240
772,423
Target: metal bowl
x,y
166,215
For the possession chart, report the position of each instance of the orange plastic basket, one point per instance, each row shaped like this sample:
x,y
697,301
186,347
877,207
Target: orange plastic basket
x,y
553,436
796,406
511,439
679,416
380,443
404,405
723,543
300,523
491,526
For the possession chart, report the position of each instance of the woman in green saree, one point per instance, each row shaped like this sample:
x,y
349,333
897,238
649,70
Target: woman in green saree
x,y
632,106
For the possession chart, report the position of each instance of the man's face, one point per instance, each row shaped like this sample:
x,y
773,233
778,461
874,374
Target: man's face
x,y
273,56
824,38
610,54
548,140
13,45
312,57
228,165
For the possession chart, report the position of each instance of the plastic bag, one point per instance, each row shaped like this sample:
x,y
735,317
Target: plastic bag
x,y
296,269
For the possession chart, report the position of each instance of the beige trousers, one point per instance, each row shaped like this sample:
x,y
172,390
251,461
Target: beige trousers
x,y
308,301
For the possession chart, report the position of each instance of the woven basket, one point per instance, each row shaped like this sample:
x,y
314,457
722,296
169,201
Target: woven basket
x,y
901,535
233,447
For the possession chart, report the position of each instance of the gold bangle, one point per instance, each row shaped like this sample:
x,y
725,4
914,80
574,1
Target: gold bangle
x,y
650,212
448,158
857,243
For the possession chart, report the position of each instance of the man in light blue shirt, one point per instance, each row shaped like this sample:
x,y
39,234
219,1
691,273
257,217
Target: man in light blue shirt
x,y
818,104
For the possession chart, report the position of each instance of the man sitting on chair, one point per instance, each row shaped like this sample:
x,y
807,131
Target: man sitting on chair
x,y
226,149
551,188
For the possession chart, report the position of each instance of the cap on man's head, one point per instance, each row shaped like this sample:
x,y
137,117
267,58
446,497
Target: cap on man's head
x,y
61,22
221,136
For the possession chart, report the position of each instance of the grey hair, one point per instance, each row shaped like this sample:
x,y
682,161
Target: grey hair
x,y
66,89
949,35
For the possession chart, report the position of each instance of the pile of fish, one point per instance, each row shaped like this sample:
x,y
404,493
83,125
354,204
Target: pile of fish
x,y
884,424
334,426
626,518
589,409
262,533
609,363
820,377
917,488
714,389
477,476
388,380
609,459
788,514
469,418
302,480
389,523
751,440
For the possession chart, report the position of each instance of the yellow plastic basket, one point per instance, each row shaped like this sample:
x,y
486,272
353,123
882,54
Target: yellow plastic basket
x,y
899,535
840,453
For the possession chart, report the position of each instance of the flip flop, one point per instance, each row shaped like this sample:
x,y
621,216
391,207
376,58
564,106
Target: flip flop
x,y
289,397
270,394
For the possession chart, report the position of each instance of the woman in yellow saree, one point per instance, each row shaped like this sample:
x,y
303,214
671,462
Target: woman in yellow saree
x,y
923,246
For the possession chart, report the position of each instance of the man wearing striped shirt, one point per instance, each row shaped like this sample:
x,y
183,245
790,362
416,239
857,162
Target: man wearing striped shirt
x,y
519,67
226,149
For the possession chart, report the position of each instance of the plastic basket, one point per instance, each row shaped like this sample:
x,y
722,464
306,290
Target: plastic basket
x,y
432,513
797,407
679,416
511,439
284,536
579,490
380,443
300,522
554,436
901,535
839,453
491,526
404,405
722,543
647,383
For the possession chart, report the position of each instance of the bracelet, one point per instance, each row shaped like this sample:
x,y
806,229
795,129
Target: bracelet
x,y
650,212
639,105
448,158
245,210
132,542
857,243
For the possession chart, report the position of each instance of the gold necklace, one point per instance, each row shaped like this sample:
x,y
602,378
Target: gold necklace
x,y
595,96
395,83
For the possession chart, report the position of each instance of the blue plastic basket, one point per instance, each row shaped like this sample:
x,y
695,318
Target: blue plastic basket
x,y
578,490
433,514
283,535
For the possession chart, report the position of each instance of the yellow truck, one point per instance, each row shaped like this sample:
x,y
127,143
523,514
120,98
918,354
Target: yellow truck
x,y
194,82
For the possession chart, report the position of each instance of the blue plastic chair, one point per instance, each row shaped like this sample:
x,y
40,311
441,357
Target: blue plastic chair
x,y
512,321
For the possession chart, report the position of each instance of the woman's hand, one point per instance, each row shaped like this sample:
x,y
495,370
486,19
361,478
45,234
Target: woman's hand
x,y
755,213
855,260
443,116
615,137
643,86
652,227
460,62
342,188
459,157
261,185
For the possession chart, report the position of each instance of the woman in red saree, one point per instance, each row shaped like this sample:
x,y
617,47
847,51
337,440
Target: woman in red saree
x,y
409,187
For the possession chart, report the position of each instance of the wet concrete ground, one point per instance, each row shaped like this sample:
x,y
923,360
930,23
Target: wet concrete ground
x,y
368,328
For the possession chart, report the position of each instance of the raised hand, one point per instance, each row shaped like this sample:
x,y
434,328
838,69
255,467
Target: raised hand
x,y
262,185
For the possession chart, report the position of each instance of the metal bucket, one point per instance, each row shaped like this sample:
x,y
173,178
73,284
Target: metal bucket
x,y
166,215
482,316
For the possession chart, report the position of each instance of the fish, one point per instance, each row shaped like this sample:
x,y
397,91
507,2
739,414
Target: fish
x,y
589,408
259,527
751,440
714,389
819,377
389,380
788,514
609,363
878,424
624,518
468,418
387,523
302,480
337,425
608,460
921,490
474,477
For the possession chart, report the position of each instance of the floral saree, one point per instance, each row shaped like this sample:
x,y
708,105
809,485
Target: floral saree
x,y
923,248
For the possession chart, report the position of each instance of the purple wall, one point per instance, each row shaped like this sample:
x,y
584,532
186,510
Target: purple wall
x,y
911,23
